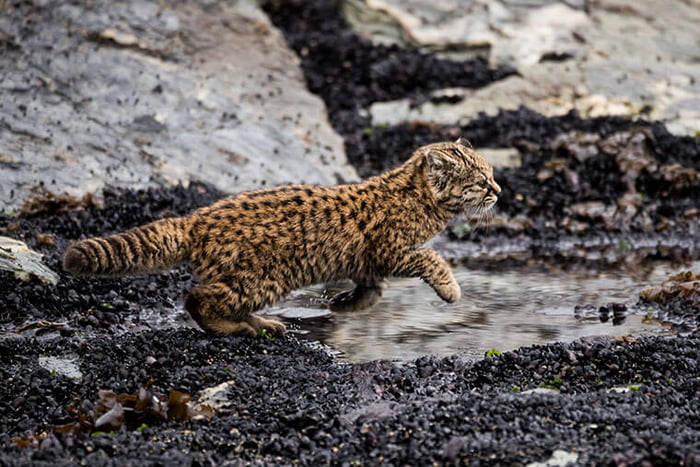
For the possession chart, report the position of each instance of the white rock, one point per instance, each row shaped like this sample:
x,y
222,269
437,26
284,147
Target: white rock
x,y
60,365
211,400
501,157
559,458
16,257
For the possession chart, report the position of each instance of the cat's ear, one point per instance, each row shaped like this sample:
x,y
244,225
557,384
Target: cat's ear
x,y
441,166
464,142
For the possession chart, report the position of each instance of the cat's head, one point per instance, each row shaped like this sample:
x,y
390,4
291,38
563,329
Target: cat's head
x,y
459,177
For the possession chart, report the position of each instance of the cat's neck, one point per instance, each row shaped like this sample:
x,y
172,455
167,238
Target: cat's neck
x,y
407,190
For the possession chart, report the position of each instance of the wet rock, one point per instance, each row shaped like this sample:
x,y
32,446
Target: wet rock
x,y
616,311
682,286
675,302
141,95
569,56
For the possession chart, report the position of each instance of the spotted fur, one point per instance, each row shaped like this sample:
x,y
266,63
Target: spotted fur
x,y
251,249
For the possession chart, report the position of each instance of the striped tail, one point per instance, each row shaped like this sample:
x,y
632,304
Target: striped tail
x,y
153,247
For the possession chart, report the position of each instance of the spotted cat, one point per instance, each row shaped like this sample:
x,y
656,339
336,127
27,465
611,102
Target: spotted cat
x,y
251,249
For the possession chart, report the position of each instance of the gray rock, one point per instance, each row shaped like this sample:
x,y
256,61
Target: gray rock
x,y
370,412
541,391
139,93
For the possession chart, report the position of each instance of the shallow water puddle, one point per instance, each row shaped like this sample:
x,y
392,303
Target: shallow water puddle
x,y
502,310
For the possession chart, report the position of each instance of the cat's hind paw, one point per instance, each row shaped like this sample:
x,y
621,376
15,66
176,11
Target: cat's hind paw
x,y
267,325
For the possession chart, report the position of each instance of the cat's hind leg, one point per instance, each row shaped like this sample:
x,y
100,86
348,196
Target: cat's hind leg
x,y
361,297
220,309
271,326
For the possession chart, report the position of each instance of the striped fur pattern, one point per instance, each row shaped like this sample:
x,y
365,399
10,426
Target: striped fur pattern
x,y
251,249
151,248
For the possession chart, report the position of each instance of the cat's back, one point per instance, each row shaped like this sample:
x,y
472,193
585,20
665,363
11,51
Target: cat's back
x,y
313,230
282,208
283,215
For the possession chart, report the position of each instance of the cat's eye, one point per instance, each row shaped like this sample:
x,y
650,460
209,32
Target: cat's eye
x,y
483,184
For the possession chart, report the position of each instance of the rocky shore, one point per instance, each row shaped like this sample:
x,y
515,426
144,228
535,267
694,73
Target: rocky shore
x,y
112,371
597,401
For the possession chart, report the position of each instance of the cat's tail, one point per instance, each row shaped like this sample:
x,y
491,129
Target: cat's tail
x,y
153,247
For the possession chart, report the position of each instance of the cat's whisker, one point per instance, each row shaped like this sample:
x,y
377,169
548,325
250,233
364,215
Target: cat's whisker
x,y
481,217
473,217
488,218
475,225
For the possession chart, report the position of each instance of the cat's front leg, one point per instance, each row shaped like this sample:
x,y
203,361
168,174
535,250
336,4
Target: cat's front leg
x,y
432,268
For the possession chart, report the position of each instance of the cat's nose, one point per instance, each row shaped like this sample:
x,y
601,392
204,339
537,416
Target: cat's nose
x,y
496,187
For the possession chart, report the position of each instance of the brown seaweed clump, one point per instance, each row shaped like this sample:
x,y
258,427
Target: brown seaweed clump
x,y
52,203
133,411
678,301
684,286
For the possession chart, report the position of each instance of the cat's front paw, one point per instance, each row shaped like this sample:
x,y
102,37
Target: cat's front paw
x,y
450,292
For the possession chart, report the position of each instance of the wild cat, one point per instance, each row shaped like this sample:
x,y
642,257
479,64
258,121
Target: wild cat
x,y
251,249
